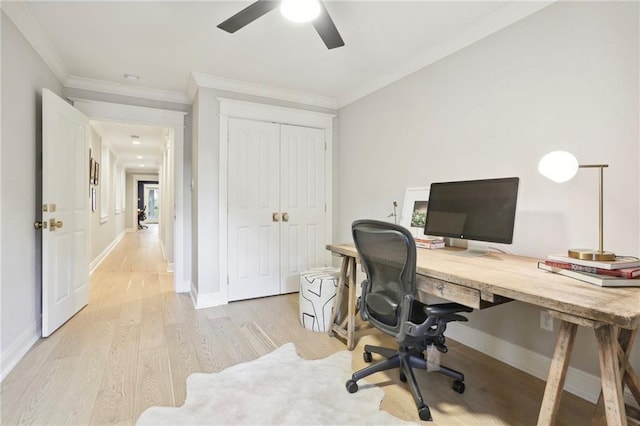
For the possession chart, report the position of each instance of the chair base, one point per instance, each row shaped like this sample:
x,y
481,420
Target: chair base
x,y
405,359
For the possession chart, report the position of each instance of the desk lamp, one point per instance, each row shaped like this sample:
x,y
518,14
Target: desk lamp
x,y
561,166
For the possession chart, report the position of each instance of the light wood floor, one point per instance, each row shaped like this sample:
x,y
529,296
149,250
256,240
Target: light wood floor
x,y
136,342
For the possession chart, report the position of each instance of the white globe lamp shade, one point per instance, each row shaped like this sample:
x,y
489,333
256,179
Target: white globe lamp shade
x,y
559,166
300,10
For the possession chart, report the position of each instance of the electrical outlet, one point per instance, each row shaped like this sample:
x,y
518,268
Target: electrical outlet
x,y
546,322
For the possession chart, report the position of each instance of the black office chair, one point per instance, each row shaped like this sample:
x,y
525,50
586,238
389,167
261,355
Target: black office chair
x,y
388,254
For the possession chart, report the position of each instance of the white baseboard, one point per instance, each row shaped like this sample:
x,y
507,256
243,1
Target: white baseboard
x,y
207,300
14,353
577,382
102,256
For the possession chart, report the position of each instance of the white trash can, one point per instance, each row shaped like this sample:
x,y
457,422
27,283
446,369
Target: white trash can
x,y
318,288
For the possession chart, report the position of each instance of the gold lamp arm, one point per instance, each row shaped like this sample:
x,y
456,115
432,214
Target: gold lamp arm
x,y
600,204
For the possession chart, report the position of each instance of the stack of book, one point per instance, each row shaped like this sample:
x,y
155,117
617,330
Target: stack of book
x,y
429,243
622,272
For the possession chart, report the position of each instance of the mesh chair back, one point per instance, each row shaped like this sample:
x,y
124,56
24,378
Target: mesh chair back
x,y
388,255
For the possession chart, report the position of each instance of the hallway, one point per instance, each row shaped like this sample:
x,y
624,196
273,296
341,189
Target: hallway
x,y
137,341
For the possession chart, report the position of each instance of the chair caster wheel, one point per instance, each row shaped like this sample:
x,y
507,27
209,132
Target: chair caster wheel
x,y
403,377
458,386
367,356
352,387
425,414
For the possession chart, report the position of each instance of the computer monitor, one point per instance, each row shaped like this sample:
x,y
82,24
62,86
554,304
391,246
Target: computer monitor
x,y
478,210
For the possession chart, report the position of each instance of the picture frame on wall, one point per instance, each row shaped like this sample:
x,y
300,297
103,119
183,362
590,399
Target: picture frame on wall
x,y
96,172
414,210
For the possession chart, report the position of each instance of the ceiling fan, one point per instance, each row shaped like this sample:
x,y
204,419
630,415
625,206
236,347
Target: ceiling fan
x,y
322,21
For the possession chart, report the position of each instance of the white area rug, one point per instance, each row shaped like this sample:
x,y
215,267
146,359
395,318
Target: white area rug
x,y
279,388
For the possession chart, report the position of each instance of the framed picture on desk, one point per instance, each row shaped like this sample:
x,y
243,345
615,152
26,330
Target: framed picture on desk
x,y
414,210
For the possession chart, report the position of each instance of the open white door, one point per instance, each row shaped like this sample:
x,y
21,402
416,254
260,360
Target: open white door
x,y
65,198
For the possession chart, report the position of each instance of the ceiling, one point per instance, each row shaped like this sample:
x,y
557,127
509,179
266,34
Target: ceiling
x,y
171,46
118,137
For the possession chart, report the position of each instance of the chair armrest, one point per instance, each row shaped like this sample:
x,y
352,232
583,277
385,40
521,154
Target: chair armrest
x,y
406,326
438,316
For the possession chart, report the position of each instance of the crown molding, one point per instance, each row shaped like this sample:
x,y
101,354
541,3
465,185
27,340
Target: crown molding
x,y
220,83
74,82
505,16
19,14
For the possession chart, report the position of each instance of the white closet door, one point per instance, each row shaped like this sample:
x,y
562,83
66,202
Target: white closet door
x,y
302,199
253,194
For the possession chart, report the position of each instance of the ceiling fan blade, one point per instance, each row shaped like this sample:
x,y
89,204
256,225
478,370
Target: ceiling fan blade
x,y
248,15
327,29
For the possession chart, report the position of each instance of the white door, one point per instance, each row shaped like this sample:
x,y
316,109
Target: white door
x,y
253,209
302,203
65,197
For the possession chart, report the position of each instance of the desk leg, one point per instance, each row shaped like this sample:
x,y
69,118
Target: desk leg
x,y
630,378
626,339
346,327
351,318
557,373
337,301
610,374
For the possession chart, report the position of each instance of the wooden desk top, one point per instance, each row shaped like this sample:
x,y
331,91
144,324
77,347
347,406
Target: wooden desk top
x,y
518,278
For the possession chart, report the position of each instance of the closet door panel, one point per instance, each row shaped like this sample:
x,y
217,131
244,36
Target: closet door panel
x,y
302,200
253,194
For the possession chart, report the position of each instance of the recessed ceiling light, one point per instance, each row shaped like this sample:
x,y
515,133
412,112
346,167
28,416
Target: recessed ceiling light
x,y
132,77
135,139
139,157
141,165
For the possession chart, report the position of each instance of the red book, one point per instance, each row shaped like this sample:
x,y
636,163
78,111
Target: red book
x,y
628,273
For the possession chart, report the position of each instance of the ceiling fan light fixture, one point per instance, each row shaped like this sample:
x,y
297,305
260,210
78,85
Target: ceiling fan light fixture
x,y
300,10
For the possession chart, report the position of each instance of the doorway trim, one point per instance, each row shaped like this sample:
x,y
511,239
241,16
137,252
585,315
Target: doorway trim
x,y
231,108
107,111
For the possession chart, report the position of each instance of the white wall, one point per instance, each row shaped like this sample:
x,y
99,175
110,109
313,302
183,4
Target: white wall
x,y
107,231
24,75
564,78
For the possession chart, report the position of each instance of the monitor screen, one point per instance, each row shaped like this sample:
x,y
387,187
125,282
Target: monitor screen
x,y
481,210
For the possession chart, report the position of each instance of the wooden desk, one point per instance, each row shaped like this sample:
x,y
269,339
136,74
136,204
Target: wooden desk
x,y
478,282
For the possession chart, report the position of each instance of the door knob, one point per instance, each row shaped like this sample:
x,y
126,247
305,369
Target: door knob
x,y
275,217
285,217
53,224
39,225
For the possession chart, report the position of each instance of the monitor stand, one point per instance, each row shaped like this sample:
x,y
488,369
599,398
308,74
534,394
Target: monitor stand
x,y
474,248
